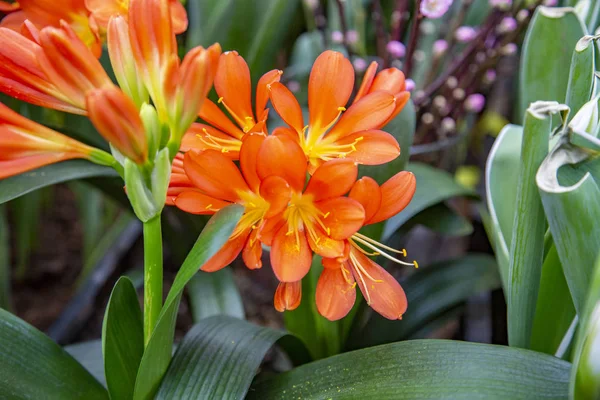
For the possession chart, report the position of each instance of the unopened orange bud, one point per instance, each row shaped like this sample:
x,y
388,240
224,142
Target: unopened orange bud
x,y
288,296
116,117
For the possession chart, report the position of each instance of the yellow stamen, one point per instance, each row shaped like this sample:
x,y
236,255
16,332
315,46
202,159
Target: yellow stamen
x,y
217,143
246,123
377,247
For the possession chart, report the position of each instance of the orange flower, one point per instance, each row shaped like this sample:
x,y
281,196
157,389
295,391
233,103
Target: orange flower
x,y
332,131
117,119
43,13
233,85
25,145
52,68
103,10
317,219
336,286
212,181
288,296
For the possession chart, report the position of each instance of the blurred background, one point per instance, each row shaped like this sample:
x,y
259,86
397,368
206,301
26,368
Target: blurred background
x,y
63,247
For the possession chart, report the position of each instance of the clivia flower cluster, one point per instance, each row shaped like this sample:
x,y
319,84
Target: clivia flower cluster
x,y
48,57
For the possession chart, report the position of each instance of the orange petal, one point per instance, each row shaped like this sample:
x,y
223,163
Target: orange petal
x,y
279,155
366,191
252,252
234,86
27,163
212,114
396,193
390,79
401,100
205,137
287,106
329,87
384,294
227,254
117,119
345,216
249,159
335,296
324,245
262,90
288,296
195,202
372,147
7,7
14,20
332,179
368,113
291,256
178,16
367,81
214,174
269,228
277,192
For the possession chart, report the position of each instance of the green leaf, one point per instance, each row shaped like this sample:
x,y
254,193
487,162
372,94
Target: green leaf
x,y
441,219
5,283
215,293
572,213
34,367
218,359
527,248
322,337
585,376
501,192
432,292
547,51
19,185
581,76
433,187
554,312
424,369
89,355
26,211
157,354
122,339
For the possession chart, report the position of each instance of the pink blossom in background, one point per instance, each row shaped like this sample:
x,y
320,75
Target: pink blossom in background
x,y
465,34
475,103
396,48
410,85
352,36
337,37
360,65
439,47
435,8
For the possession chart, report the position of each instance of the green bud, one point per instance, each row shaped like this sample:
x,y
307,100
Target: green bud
x,y
586,119
152,126
139,194
161,175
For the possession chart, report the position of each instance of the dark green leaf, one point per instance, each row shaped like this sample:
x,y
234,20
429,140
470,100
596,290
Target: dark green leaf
x,y
5,284
215,293
433,186
26,211
581,76
122,339
431,291
19,185
547,51
441,219
157,354
34,367
217,359
424,369
322,337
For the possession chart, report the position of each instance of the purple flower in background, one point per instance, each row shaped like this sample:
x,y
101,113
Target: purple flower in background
x,y
352,36
410,85
337,37
490,75
465,34
396,49
360,65
294,86
502,4
475,103
508,24
439,47
435,8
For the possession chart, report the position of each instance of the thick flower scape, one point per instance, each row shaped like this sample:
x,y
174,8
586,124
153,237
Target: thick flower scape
x,y
49,57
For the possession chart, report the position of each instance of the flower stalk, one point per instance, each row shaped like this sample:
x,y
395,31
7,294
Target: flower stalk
x,y
153,275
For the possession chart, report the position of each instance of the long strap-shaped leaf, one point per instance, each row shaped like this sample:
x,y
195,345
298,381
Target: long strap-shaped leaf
x,y
157,354
218,359
424,369
34,367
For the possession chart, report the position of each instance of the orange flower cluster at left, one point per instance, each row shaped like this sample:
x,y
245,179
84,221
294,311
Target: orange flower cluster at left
x,y
297,218
49,57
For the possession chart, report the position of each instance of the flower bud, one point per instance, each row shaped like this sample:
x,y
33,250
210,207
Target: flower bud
x,y
288,296
116,118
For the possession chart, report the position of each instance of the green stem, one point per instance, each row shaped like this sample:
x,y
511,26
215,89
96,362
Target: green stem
x,y
153,275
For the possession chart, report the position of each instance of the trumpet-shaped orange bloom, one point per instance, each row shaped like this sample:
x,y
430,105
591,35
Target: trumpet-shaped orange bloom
x,y
332,131
102,10
43,13
336,291
233,85
25,145
52,68
212,181
317,218
288,296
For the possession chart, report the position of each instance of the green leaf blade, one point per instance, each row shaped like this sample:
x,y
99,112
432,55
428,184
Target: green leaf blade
x,y
215,293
